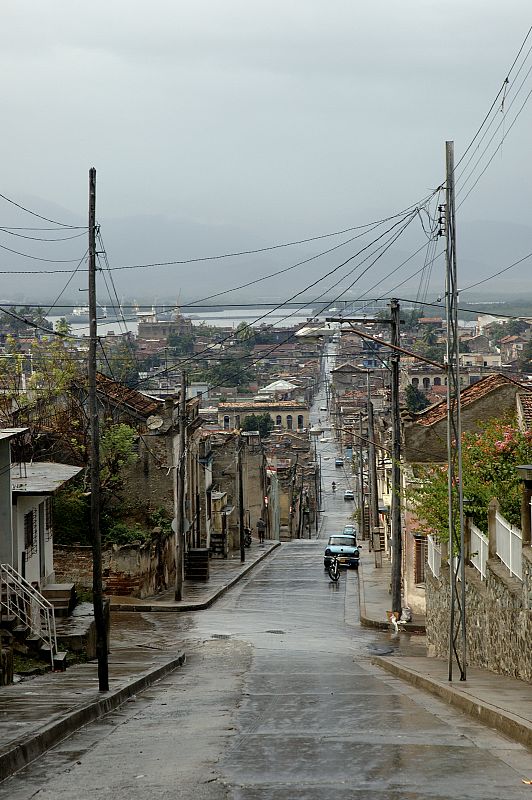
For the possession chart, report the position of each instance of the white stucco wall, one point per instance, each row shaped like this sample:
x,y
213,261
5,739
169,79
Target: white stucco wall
x,y
31,569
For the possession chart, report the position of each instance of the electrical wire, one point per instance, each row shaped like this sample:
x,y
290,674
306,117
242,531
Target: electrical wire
x,y
298,294
39,258
494,103
12,232
40,216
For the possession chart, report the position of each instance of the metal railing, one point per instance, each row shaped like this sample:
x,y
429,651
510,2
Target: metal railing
x,y
434,555
509,545
20,599
478,550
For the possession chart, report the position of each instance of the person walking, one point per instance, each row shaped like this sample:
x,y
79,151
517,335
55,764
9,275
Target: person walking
x,y
261,527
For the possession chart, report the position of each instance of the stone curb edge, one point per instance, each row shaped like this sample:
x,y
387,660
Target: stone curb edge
x,y
379,624
20,753
200,606
502,721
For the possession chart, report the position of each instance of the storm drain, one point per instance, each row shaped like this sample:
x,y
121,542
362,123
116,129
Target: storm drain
x,y
220,636
276,632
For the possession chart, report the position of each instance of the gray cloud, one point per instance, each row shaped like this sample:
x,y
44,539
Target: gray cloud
x,y
274,118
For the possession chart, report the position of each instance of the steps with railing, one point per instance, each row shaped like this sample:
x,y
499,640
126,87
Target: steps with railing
x,y
25,605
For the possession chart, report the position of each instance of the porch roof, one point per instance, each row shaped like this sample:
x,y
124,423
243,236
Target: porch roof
x,y
44,477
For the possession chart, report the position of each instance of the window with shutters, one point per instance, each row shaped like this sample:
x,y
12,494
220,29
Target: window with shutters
x,y
420,558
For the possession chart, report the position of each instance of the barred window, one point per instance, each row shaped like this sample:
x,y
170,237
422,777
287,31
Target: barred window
x,y
48,517
30,533
420,559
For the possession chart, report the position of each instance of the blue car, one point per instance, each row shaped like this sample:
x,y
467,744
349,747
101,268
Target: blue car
x,y
345,548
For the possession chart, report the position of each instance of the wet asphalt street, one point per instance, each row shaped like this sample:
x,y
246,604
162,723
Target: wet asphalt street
x,y
278,700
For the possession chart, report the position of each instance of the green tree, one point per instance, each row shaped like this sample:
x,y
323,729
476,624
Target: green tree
x,y
489,460
245,332
62,326
119,362
416,400
230,372
263,423
181,344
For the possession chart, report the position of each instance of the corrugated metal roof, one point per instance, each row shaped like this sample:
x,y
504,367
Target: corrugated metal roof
x,y
123,395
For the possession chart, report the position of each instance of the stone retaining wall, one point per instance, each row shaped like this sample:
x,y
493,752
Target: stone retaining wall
x,y
499,618
138,570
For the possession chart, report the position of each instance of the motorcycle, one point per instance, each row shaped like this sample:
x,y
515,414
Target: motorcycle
x,y
333,568
333,486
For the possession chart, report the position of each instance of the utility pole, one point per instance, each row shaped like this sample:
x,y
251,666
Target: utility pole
x,y
180,478
361,480
457,618
96,539
397,540
240,498
372,467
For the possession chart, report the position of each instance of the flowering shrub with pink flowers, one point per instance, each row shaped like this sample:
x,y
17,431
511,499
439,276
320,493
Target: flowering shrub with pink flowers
x,y
489,460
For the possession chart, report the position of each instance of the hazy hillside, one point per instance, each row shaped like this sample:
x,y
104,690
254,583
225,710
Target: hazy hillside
x,y
483,248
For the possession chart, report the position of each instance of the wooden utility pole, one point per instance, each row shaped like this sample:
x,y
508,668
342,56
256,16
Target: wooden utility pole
x,y
362,507
397,539
180,503
241,527
97,587
457,617
372,468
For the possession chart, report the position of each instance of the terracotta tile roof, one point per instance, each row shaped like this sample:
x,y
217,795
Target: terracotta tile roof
x,y
122,395
526,405
490,383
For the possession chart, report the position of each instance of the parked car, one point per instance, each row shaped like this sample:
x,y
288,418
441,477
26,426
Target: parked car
x,y
339,462
323,408
350,530
349,494
345,548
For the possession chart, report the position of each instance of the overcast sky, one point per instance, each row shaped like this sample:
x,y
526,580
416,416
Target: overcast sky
x,y
277,118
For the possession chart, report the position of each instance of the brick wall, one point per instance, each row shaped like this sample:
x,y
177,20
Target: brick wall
x,y
135,570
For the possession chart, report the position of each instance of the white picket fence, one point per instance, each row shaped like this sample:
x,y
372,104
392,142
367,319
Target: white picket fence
x,y
478,550
434,555
509,545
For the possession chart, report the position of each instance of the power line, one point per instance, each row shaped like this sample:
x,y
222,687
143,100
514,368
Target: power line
x,y
11,232
39,258
370,225
40,216
494,103
335,269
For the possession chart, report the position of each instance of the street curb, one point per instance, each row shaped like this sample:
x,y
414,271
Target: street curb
x,y
502,721
366,621
198,606
20,753
380,624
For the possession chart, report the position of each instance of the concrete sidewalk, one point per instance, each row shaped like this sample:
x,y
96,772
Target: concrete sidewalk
x,y
37,713
495,700
375,597
224,573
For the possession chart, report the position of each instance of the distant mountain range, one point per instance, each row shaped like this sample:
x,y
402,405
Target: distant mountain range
x,y
483,248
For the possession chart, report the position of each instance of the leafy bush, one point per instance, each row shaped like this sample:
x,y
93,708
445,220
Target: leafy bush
x,y
71,517
122,533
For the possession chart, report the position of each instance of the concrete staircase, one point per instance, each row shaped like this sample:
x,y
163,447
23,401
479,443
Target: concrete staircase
x,y
62,596
28,617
